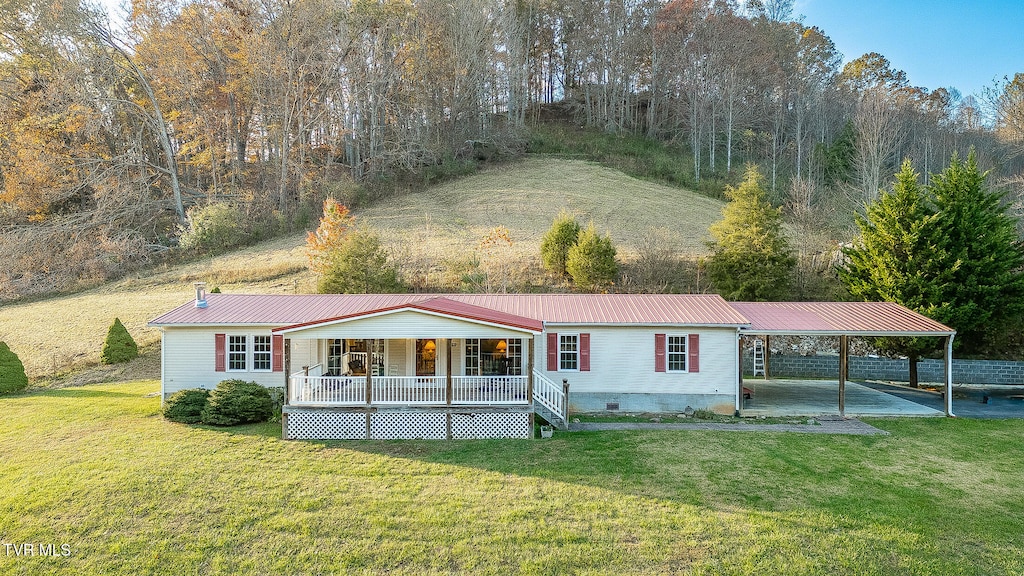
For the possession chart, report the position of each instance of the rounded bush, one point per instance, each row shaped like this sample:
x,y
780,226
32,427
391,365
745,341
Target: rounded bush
x,y
186,406
214,228
12,371
237,402
119,345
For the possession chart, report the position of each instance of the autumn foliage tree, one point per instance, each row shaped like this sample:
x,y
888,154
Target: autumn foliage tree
x,y
334,227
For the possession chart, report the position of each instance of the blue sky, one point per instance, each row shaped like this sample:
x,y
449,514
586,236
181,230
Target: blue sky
x,y
938,43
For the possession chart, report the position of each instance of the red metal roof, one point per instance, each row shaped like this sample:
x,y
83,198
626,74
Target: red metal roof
x,y
863,318
446,307
520,310
531,311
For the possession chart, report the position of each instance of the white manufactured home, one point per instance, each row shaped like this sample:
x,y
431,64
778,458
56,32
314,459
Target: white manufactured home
x,y
481,365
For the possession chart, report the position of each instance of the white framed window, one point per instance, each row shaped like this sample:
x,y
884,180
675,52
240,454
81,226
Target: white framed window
x,y
568,352
335,357
237,353
261,361
675,352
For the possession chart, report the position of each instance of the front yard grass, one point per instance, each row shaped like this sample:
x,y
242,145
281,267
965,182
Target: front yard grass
x,y
99,469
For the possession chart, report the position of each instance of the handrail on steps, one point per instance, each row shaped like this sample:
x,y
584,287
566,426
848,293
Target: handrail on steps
x,y
551,396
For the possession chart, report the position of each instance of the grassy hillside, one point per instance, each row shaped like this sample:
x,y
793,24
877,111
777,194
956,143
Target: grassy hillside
x,y
98,469
425,230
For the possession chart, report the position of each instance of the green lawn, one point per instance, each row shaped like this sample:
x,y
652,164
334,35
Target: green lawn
x,y
97,468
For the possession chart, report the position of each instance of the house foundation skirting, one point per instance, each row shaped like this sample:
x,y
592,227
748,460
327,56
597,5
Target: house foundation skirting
x,y
376,423
590,402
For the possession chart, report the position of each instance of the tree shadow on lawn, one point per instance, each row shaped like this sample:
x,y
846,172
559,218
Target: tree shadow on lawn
x,y
80,393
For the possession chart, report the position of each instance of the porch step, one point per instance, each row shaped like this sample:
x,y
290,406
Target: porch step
x,y
552,418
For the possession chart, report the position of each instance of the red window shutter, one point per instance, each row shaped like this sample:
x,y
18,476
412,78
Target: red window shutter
x,y
584,352
220,364
552,352
277,353
659,352
693,353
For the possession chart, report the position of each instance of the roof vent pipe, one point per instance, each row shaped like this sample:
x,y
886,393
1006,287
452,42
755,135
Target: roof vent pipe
x,y
200,294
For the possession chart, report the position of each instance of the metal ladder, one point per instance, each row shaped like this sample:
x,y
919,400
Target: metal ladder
x,y
759,358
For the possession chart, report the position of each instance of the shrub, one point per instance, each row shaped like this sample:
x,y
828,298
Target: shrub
x,y
237,402
750,256
186,406
214,228
12,371
554,247
119,345
591,261
359,265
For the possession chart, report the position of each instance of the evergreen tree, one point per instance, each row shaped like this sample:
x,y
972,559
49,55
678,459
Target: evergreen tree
x,y
554,247
358,265
893,261
591,261
12,371
982,258
750,257
119,345
949,252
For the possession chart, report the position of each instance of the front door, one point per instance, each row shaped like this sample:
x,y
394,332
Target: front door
x,y
426,357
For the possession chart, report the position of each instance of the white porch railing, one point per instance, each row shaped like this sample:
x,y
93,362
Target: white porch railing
x,y
407,390
550,395
490,390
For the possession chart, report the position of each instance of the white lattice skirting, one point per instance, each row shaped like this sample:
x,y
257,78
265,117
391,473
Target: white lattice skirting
x,y
408,426
491,425
328,425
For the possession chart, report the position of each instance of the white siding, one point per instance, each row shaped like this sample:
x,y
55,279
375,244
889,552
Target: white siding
x,y
395,356
408,324
189,356
622,361
304,353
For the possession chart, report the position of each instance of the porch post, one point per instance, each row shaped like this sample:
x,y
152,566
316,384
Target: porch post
x,y
949,375
529,371
767,355
448,371
369,379
844,371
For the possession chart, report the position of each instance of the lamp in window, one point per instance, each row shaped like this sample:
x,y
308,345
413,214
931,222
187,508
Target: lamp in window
x,y
501,348
429,350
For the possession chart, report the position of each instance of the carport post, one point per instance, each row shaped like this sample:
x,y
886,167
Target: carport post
x,y
844,371
739,372
949,375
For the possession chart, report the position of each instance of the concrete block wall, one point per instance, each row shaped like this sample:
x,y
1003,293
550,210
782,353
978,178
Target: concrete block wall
x,y
985,372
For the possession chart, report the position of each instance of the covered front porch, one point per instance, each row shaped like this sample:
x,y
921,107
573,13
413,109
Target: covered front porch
x,y
438,369
413,372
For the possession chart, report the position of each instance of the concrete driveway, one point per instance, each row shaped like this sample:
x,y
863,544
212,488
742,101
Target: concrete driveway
x,y
779,397
968,401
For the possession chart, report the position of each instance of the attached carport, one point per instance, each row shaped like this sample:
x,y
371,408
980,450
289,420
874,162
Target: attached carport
x,y
842,319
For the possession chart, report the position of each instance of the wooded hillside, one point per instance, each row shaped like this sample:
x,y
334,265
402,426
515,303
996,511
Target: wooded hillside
x,y
110,133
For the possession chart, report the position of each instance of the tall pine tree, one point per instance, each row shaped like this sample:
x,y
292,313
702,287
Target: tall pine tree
x,y
948,251
980,255
892,261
